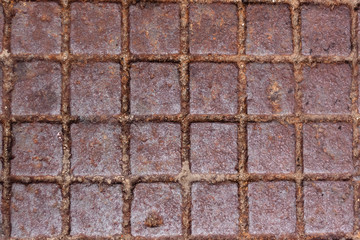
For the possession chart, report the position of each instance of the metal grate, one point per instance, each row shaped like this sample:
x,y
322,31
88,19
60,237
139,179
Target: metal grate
x,y
185,178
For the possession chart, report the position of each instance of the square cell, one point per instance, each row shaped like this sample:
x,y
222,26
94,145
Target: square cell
x,y
271,147
96,210
213,148
37,88
270,88
36,28
96,149
328,207
213,88
154,88
36,149
268,29
272,208
95,28
35,210
213,28
156,210
326,89
214,209
155,28
327,148
325,30
155,148
95,89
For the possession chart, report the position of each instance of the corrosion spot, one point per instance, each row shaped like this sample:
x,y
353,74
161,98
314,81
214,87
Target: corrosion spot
x,y
274,96
154,219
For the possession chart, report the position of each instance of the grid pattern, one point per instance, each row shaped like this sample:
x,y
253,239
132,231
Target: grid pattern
x,y
249,182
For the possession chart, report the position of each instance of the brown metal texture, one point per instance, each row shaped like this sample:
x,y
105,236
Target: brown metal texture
x,y
180,119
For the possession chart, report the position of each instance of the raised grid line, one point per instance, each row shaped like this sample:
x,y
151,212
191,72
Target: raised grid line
x,y
7,133
125,127
238,58
191,178
191,118
354,96
242,128
299,166
65,115
185,125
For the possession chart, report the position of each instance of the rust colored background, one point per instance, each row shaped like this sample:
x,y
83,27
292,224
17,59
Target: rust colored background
x,y
180,119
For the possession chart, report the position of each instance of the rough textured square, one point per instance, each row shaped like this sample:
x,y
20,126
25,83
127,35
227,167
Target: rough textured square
x,y
327,148
214,209
91,31
36,28
96,149
326,89
155,28
270,88
268,29
325,30
328,207
95,89
155,148
271,147
155,88
213,28
36,149
156,210
213,88
213,148
96,210
35,210
37,88
272,208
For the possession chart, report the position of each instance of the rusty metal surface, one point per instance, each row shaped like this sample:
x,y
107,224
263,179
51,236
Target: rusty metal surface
x,y
180,119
